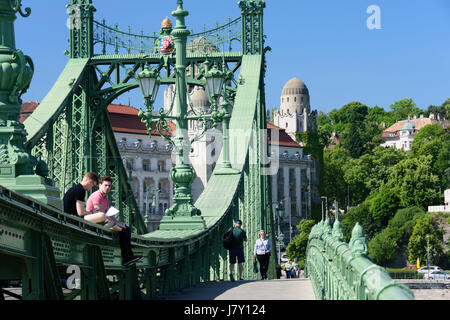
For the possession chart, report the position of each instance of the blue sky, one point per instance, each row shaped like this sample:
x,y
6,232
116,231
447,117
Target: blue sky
x,y
326,43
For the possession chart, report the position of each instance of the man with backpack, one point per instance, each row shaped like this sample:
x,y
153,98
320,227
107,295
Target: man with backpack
x,y
237,249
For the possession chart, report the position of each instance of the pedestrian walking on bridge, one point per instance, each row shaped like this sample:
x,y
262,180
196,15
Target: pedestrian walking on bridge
x,y
261,252
237,249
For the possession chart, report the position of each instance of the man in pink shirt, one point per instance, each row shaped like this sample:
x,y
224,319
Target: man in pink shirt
x,y
98,203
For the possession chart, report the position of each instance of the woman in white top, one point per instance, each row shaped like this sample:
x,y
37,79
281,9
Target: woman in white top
x,y
262,253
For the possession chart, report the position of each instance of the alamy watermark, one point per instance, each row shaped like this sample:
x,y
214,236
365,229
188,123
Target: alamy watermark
x,y
374,20
74,280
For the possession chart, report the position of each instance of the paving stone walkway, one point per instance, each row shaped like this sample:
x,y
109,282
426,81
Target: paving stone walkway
x,y
282,289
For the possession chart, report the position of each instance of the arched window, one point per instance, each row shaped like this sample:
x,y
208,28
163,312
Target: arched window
x,y
288,99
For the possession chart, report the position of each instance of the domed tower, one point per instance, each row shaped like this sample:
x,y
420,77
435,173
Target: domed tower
x,y
295,114
295,97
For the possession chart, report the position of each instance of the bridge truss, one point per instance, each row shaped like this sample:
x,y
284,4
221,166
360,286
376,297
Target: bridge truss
x,y
71,132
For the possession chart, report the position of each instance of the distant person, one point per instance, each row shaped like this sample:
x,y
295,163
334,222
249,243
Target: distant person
x,y
295,269
287,269
74,198
261,252
237,249
98,203
278,269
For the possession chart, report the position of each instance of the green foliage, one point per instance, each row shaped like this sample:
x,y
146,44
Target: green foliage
x,y
297,247
417,246
384,181
385,245
366,174
334,185
313,146
404,274
413,181
383,204
429,141
362,215
405,219
404,108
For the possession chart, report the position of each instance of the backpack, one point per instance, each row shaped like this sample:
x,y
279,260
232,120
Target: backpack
x,y
227,239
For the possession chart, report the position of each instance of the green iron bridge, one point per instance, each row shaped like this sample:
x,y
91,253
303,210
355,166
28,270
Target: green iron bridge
x,y
70,134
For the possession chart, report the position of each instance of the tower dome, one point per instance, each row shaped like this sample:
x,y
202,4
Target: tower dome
x,y
201,44
295,97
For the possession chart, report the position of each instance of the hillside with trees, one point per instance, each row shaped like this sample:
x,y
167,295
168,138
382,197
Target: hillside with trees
x,y
387,190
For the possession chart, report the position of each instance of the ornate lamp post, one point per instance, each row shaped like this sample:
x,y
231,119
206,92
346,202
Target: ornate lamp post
x,y
183,214
19,171
279,209
215,80
148,208
149,81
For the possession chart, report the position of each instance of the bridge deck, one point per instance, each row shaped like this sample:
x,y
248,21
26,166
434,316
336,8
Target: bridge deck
x,y
282,289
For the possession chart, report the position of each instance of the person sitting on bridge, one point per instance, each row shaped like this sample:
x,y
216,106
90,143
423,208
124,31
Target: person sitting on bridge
x,y
74,197
99,204
237,249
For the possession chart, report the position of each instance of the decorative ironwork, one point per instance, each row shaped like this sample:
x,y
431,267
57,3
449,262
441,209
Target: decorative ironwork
x,y
341,271
221,38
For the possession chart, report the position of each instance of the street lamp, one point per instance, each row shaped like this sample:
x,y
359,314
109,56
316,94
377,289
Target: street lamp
x,y
149,81
182,214
153,191
428,255
214,83
279,208
326,206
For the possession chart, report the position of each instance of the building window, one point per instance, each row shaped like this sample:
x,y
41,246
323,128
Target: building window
x,y
146,165
130,164
295,99
161,166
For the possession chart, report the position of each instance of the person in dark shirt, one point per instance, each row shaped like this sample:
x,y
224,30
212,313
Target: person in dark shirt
x,y
237,250
73,200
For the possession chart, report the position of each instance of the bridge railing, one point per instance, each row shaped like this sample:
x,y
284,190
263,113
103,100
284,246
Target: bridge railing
x,y
112,40
341,271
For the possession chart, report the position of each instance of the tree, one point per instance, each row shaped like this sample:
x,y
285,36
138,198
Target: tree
x,y
417,246
428,141
297,247
334,185
436,110
366,174
383,204
353,115
413,181
385,245
403,108
362,215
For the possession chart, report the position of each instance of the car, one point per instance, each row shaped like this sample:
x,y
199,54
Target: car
x,y
436,275
409,268
430,268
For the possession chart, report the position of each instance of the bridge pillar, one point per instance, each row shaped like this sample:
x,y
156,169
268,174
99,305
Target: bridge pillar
x,y
18,170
